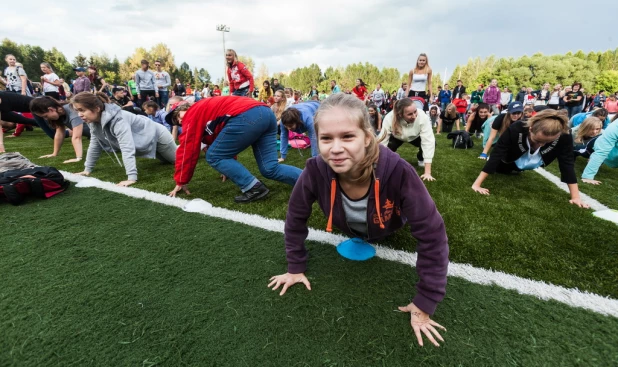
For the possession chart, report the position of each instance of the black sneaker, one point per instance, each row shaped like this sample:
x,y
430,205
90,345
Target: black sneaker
x,y
257,192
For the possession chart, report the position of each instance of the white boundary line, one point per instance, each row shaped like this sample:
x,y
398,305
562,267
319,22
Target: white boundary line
x,y
594,204
538,289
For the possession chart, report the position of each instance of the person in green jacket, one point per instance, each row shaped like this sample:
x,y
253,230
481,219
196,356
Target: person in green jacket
x,y
132,89
477,95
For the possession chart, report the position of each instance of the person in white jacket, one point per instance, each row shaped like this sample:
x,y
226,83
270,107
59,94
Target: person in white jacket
x,y
406,123
113,129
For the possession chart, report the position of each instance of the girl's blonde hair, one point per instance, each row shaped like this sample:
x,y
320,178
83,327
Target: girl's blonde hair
x,y
398,107
451,111
279,107
585,129
548,122
358,113
427,67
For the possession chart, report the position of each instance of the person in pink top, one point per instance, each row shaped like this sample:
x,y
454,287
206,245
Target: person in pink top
x,y
611,104
492,96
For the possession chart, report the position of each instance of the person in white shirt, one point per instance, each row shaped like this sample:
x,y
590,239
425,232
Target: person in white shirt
x,y
50,81
405,123
206,91
378,96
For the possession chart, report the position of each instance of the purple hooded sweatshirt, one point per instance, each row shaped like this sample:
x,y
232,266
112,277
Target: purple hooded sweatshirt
x,y
401,197
492,95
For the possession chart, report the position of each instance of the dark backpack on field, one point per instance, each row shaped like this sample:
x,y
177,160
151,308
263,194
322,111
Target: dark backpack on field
x,y
461,139
41,182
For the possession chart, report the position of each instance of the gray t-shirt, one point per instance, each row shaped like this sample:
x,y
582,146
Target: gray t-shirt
x,y
72,119
356,214
13,79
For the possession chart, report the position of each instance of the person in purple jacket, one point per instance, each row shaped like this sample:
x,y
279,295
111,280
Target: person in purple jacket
x,y
366,191
492,97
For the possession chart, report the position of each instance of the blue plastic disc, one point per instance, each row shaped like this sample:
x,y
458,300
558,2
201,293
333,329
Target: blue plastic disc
x,y
356,249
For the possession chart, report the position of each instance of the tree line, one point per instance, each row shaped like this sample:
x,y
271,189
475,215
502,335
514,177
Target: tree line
x,y
595,70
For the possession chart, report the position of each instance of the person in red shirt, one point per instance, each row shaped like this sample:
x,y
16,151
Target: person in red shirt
x,y
360,90
228,126
241,79
216,92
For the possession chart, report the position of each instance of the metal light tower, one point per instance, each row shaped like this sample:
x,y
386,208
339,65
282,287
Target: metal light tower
x,y
223,28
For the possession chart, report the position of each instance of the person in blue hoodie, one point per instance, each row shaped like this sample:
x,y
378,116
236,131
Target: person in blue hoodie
x,y
605,151
299,119
367,191
600,113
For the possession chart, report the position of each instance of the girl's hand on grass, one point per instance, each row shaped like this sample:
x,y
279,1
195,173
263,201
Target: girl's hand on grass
x,y
480,190
72,160
427,177
592,182
47,156
84,173
579,203
420,321
288,280
223,178
126,183
177,189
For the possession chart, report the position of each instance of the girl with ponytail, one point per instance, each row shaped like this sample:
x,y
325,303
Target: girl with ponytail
x,y
367,191
113,129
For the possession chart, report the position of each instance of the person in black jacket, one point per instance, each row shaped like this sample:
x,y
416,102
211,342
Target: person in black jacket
x,y
179,88
532,144
459,90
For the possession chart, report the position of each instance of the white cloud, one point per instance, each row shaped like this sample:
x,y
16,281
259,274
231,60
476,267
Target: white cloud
x,y
286,35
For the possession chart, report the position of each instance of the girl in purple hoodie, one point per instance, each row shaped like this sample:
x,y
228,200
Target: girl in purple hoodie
x,y
367,191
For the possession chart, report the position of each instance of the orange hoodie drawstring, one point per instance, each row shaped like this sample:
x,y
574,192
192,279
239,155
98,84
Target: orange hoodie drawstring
x,y
376,191
333,191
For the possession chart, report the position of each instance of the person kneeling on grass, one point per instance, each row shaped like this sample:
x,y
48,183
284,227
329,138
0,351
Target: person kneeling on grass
x,y
405,123
366,191
532,144
585,136
113,129
605,151
61,115
228,126
299,119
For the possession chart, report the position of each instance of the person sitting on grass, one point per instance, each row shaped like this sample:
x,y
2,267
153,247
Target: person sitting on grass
x,y
228,126
585,136
113,129
448,118
532,144
365,190
406,123
500,124
299,119
605,151
61,116
477,118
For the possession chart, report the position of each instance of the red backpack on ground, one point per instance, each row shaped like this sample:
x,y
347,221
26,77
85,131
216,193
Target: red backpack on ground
x,y
42,182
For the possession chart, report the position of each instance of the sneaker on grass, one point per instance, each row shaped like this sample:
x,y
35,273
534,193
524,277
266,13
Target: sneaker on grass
x,y
257,192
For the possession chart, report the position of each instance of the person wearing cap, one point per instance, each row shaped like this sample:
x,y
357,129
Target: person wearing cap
x,y
228,126
82,83
537,142
501,123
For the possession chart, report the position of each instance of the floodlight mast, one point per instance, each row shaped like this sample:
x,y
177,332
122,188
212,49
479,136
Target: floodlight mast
x,y
223,28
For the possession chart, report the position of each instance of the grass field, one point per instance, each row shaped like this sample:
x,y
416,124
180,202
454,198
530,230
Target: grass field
x,y
121,281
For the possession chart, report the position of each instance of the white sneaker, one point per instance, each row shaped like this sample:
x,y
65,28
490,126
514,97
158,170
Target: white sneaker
x,y
421,163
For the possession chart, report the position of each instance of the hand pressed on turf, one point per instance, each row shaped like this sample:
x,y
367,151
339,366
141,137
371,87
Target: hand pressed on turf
x,y
288,280
579,203
480,190
177,189
592,182
420,321
126,183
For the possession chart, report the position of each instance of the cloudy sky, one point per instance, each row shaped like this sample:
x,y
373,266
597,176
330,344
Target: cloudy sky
x,y
287,34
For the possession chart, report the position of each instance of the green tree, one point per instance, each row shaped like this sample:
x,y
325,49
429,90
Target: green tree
x,y
608,81
80,61
249,63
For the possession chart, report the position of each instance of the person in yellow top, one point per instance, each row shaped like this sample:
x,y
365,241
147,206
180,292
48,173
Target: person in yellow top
x,y
265,92
406,123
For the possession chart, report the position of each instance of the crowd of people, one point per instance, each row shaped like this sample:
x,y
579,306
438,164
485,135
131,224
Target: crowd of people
x,y
361,185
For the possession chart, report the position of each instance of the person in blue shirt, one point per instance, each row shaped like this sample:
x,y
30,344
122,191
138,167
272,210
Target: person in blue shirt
x,y
334,88
299,119
605,151
600,113
444,97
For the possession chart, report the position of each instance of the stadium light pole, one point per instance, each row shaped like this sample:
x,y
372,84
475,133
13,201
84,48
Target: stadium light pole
x,y
223,28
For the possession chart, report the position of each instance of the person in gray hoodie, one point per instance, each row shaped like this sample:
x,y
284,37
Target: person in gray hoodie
x,y
113,129
145,83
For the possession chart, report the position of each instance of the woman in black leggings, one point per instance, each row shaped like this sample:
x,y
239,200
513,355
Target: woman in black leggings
x,y
11,103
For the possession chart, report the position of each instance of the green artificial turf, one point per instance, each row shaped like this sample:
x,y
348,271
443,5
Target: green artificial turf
x,y
525,227
92,278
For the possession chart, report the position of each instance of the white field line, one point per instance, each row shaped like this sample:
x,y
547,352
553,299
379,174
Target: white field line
x,y
541,290
556,181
